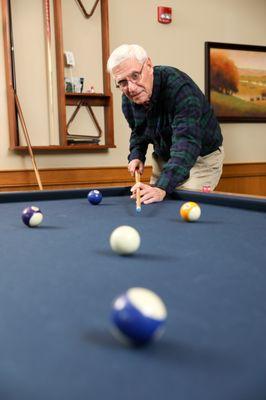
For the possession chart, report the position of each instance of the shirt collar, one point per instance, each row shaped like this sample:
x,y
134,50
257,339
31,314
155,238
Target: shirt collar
x,y
156,86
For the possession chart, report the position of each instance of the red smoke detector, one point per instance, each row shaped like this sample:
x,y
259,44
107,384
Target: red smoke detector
x,y
164,15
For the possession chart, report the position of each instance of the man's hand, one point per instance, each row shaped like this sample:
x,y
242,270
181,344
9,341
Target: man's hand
x,y
134,165
148,194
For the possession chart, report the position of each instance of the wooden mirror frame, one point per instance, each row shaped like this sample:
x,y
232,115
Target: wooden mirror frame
x,y
64,99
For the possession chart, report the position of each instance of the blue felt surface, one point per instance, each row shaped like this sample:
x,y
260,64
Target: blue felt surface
x,y
57,282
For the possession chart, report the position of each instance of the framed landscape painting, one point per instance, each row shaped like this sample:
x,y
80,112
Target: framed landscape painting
x,y
235,81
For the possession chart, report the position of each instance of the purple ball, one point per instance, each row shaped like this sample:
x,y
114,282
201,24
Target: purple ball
x,y
32,216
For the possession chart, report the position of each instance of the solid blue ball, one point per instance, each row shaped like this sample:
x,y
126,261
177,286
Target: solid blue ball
x,y
138,316
95,197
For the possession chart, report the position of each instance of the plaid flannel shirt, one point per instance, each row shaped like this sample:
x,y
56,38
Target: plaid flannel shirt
x,y
179,122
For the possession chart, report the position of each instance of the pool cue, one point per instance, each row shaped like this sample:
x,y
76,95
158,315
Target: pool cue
x,y
25,131
138,201
49,71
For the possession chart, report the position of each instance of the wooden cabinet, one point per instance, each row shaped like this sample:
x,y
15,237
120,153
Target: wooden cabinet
x,y
89,100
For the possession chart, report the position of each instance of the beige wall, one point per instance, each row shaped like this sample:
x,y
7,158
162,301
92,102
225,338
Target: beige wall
x,y
179,44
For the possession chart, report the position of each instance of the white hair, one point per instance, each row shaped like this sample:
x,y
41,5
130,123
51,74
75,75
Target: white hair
x,y
124,52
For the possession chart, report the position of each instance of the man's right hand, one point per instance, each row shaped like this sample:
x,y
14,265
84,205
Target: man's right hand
x,y
134,165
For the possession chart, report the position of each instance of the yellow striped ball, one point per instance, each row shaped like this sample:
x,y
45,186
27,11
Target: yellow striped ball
x,y
190,211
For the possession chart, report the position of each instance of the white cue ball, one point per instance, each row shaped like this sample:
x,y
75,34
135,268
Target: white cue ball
x,y
125,240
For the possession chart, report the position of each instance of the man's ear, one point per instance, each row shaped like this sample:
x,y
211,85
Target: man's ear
x,y
149,64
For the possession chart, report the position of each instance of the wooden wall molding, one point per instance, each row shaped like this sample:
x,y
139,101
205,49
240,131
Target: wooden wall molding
x,y
245,178
67,178
244,169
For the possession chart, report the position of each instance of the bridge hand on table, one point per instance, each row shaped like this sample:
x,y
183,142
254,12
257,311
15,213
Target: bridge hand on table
x,y
149,194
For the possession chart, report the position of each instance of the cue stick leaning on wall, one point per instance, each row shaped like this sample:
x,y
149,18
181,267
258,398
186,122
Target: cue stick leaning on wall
x,y
25,131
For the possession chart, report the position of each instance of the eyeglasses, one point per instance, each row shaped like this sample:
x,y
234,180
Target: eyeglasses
x,y
134,77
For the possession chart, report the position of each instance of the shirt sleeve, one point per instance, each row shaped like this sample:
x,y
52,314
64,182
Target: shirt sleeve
x,y
186,140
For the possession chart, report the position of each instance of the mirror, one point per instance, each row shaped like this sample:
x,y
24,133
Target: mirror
x,y
55,57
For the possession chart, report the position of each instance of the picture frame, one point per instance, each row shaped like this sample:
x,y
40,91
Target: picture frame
x,y
235,81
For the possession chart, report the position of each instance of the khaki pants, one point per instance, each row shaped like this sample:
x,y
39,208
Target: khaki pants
x,y
206,171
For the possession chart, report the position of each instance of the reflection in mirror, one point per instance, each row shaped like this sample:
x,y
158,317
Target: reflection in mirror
x,y
83,71
55,59
35,81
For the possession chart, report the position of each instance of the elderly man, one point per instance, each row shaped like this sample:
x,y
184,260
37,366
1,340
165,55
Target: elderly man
x,y
164,107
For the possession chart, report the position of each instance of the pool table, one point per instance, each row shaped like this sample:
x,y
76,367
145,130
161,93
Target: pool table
x,y
58,281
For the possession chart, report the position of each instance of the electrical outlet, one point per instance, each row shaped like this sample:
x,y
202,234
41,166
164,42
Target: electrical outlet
x,y
69,59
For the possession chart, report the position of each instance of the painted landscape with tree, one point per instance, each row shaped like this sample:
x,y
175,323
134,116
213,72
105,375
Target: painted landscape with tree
x,y
238,83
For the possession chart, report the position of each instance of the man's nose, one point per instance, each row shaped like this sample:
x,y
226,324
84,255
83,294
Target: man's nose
x,y
131,86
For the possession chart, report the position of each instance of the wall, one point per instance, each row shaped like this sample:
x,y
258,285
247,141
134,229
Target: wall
x,y
180,44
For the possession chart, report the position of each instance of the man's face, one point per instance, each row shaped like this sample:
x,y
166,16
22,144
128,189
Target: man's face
x,y
135,79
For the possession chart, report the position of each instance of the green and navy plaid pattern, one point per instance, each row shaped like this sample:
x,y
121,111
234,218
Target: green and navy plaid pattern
x,y
179,122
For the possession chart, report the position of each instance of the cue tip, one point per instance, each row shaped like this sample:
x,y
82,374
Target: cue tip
x,y
138,209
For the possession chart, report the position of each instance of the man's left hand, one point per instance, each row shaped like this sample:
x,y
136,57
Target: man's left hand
x,y
148,194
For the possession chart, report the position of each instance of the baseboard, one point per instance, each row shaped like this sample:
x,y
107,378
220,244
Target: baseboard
x,y
246,178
